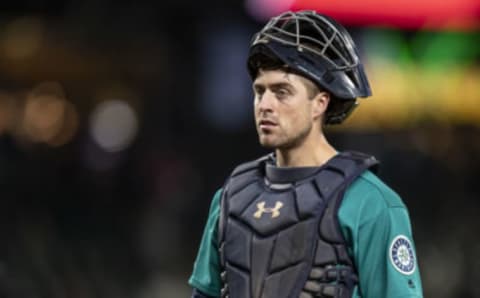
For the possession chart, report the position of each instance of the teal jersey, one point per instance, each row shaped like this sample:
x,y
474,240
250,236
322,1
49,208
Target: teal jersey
x,y
376,226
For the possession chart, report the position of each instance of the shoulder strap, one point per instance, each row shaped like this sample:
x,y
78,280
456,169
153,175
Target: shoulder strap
x,y
341,169
339,173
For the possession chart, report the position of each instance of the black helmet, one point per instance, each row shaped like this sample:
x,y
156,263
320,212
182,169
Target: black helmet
x,y
319,48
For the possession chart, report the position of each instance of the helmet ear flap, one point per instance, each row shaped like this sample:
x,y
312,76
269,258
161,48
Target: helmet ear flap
x,y
339,110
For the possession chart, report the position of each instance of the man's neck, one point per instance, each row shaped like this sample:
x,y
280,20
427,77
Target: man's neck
x,y
311,153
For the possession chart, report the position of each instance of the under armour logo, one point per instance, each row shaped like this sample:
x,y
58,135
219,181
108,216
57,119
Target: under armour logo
x,y
261,209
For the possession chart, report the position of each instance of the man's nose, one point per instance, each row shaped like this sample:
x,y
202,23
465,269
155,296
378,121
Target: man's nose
x,y
267,102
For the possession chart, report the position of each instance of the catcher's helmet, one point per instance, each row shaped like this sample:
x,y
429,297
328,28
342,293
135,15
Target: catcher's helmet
x,y
319,48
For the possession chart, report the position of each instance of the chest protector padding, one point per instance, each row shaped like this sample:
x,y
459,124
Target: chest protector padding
x,y
281,239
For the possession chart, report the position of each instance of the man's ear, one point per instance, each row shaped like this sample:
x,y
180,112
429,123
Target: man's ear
x,y
320,104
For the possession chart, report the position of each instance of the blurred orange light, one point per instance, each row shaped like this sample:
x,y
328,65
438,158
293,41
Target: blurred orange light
x,y
7,112
48,117
43,117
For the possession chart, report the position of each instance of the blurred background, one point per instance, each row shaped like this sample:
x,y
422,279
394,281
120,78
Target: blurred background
x,y
120,119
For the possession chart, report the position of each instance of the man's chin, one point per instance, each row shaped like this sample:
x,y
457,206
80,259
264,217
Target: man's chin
x,y
268,143
268,146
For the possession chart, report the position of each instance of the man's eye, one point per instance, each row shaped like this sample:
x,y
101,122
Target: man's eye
x,y
282,93
258,91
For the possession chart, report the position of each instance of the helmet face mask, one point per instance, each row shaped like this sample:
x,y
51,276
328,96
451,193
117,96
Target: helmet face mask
x,y
303,32
320,49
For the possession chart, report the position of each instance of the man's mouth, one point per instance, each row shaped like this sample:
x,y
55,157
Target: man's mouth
x,y
266,124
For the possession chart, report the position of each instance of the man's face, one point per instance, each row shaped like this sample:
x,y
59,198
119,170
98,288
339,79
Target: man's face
x,y
283,110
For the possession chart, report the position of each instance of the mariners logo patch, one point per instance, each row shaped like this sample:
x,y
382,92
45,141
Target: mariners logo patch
x,y
402,255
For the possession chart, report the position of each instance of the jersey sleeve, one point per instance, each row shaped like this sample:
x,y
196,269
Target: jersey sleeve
x,y
376,226
206,270
386,258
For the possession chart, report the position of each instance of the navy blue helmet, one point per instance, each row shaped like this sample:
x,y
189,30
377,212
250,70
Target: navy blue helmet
x,y
319,48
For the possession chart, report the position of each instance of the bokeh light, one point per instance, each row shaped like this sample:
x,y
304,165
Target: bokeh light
x,y
22,38
411,14
8,112
264,9
47,116
113,125
425,77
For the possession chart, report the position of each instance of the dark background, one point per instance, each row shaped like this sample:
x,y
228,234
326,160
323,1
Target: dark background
x,y
119,120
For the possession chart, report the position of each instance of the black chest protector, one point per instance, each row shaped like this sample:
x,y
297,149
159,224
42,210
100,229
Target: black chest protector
x,y
279,235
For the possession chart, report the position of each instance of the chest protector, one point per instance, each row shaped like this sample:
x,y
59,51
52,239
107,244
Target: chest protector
x,y
279,235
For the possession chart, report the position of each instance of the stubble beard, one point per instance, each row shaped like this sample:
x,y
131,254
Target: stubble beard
x,y
287,142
